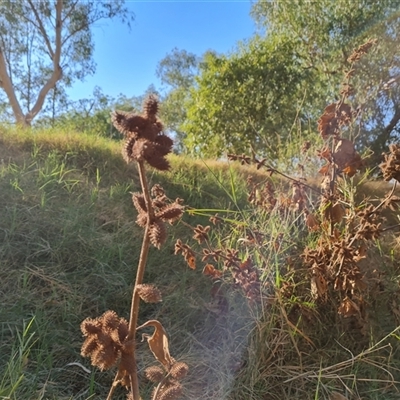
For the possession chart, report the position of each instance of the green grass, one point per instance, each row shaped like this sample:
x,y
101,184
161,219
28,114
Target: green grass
x,y
69,248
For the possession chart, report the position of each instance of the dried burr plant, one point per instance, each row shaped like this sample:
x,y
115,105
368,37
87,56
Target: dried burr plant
x,y
341,230
110,340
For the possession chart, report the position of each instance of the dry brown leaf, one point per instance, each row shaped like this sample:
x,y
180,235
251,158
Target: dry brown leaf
x,y
319,286
346,157
209,270
324,170
335,115
337,213
348,308
344,152
191,262
312,223
158,343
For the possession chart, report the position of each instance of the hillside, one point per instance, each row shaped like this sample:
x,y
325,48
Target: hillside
x,y
69,250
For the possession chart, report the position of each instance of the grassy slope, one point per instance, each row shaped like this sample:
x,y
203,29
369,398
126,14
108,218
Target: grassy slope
x,y
69,249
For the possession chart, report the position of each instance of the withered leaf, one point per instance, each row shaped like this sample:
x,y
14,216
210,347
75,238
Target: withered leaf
x,y
344,152
191,261
335,115
209,270
346,157
348,308
319,286
336,213
325,169
158,343
312,223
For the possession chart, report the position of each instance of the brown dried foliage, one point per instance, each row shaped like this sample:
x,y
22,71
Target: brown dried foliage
x,y
335,116
243,274
391,166
341,231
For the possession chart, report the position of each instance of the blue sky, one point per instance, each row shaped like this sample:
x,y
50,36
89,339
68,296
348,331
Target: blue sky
x,y
126,60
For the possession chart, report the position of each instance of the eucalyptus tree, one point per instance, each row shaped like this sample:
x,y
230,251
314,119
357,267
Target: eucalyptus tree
x,y
177,71
45,45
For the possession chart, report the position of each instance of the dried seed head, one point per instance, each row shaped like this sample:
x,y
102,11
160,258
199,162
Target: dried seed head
x,y
170,213
165,142
391,166
150,106
361,50
127,360
149,293
151,152
156,159
154,373
139,202
127,149
140,149
172,392
141,219
201,233
104,337
110,320
89,346
123,329
127,122
90,326
105,357
158,233
157,191
179,370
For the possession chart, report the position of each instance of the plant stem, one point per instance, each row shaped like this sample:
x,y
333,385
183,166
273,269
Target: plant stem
x,y
140,272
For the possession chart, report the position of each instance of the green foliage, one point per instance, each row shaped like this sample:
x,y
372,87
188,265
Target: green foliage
x,y
177,70
44,47
14,371
93,115
324,44
247,99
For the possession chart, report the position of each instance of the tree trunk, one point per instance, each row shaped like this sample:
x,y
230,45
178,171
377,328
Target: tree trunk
x,y
6,84
22,119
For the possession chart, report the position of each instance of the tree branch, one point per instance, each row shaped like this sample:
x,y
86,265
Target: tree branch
x,y
68,14
7,85
57,70
42,29
392,124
